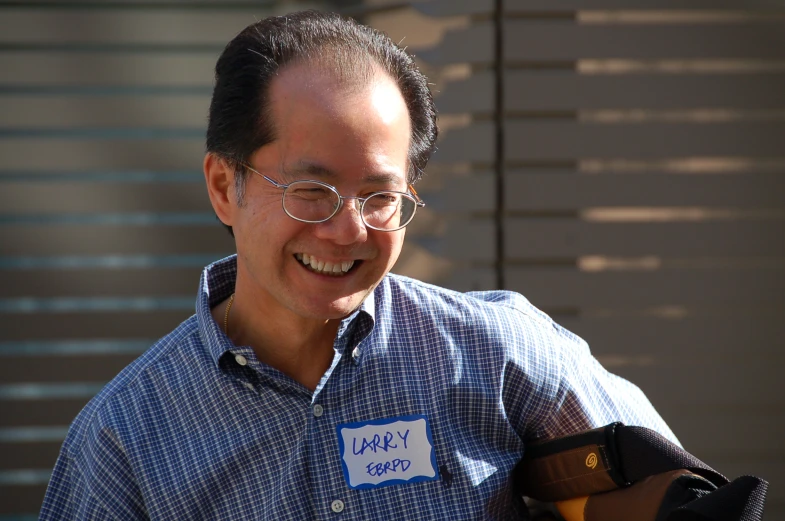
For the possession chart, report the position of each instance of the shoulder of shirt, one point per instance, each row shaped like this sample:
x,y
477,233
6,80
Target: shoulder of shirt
x,y
503,301
116,391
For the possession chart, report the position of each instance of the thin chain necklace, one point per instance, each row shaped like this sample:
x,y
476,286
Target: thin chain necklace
x,y
226,314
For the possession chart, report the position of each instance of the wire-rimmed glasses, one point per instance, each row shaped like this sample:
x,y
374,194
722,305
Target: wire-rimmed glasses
x,y
312,201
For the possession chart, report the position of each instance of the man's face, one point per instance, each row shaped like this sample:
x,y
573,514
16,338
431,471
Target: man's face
x,y
356,139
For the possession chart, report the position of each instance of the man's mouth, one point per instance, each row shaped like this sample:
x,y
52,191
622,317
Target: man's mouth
x,y
335,269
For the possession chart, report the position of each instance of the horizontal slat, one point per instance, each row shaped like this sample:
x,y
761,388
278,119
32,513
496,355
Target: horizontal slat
x,y
730,387
693,339
567,287
107,69
101,176
470,240
28,455
473,44
565,190
21,499
475,94
474,143
527,5
170,26
471,279
720,431
37,391
775,507
17,327
97,240
97,154
40,413
16,369
566,40
568,90
24,112
87,198
69,262
33,434
152,282
560,140
454,7
554,238
473,193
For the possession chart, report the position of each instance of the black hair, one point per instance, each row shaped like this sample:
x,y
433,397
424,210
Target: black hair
x,y
239,118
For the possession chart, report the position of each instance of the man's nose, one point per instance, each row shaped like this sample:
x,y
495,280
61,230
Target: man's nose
x,y
346,226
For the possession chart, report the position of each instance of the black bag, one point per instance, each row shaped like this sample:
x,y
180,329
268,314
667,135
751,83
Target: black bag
x,y
634,473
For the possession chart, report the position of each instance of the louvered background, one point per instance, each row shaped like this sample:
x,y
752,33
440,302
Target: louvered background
x,y
629,180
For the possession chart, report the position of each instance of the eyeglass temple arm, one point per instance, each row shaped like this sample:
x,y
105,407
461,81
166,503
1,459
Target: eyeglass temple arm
x,y
268,179
420,202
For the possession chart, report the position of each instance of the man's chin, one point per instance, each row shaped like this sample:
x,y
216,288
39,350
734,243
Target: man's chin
x,y
335,309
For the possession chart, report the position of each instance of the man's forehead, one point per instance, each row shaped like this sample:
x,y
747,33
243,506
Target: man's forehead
x,y
312,169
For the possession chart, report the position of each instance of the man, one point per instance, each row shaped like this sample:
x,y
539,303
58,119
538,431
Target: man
x,y
312,384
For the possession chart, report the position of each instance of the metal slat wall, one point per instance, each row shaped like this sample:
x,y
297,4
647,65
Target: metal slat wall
x,y
104,219
629,180
636,194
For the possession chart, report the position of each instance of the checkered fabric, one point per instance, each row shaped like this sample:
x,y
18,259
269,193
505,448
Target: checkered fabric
x,y
198,428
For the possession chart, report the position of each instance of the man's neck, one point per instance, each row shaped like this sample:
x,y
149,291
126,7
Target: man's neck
x,y
298,347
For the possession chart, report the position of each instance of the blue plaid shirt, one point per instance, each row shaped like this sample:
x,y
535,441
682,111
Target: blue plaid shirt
x,y
198,428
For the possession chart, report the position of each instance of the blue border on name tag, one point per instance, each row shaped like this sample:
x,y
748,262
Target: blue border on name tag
x,y
387,421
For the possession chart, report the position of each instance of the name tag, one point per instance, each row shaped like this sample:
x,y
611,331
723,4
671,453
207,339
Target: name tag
x,y
391,451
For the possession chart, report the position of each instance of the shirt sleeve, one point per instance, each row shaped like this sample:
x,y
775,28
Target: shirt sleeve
x,y
588,396
553,386
97,484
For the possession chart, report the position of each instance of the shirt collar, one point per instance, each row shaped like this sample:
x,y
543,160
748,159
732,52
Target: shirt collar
x,y
217,284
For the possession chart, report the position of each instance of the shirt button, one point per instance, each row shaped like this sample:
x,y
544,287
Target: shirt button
x,y
318,410
337,506
356,353
240,359
250,386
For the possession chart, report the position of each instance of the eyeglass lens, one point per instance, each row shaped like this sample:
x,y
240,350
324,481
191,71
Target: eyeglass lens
x,y
313,202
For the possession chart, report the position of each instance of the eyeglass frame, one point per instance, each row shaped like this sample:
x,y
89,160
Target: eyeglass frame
x,y
419,203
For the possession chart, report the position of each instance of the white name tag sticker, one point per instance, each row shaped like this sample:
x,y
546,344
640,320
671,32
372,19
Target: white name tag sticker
x,y
391,451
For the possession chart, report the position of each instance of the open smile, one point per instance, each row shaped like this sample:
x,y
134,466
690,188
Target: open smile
x,y
322,267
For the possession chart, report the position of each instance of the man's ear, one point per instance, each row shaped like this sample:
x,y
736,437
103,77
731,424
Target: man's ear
x,y
219,176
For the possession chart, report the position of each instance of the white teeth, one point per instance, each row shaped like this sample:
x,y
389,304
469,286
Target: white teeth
x,y
337,268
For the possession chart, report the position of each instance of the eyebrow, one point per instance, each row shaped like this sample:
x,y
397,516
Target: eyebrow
x,y
316,171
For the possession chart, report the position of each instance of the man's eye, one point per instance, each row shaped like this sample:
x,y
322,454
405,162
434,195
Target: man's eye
x,y
383,200
311,193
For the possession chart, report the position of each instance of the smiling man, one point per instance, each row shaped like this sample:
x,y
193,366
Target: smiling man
x,y
311,383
